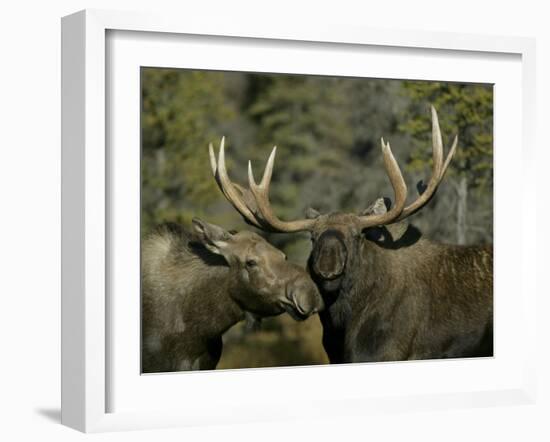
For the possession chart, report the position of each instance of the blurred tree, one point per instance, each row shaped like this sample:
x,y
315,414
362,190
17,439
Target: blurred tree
x,y
309,118
326,128
376,106
466,110
181,112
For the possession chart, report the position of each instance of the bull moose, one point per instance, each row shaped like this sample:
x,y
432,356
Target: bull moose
x,y
197,284
386,298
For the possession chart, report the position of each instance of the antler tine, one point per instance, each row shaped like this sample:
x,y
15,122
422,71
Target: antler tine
x,y
438,169
449,157
228,188
437,143
212,156
399,190
261,196
268,172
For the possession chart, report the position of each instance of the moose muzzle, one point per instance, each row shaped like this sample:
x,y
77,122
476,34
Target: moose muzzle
x,y
329,255
304,298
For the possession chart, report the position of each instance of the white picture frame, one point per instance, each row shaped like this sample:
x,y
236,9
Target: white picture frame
x,y
87,206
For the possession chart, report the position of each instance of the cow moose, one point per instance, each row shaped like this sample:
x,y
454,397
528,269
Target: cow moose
x,y
197,284
386,298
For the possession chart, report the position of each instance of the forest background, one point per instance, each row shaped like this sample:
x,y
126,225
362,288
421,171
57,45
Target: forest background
x,y
328,132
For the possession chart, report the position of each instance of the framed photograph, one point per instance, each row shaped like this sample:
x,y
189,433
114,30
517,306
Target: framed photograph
x,y
361,265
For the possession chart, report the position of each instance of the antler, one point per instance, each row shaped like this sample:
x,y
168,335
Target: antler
x,y
253,204
261,196
398,212
399,190
438,169
234,193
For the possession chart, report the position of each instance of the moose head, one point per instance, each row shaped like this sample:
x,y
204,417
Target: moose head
x,y
335,236
266,284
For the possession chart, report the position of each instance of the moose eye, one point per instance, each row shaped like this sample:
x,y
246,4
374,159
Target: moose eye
x,y
251,263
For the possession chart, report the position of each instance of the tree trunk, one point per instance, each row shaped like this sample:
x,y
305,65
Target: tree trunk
x,y
461,208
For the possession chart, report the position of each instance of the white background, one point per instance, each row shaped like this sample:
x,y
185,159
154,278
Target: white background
x,y
30,223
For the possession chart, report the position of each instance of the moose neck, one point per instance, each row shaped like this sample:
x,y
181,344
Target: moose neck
x,y
365,280
218,308
367,271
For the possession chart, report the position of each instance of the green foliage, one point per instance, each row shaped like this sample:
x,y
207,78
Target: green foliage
x,y
327,130
465,110
308,118
181,113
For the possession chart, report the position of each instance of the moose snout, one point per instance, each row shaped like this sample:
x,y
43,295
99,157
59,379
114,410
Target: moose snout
x,y
329,255
305,298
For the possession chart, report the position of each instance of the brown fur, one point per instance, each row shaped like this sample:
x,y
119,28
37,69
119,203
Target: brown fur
x,y
197,285
405,299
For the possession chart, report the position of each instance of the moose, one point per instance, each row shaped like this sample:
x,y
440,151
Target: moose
x,y
197,284
386,298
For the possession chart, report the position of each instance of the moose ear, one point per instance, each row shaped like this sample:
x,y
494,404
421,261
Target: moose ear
x,y
213,237
311,213
376,208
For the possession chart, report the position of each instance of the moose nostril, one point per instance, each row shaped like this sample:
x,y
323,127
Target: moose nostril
x,y
292,298
300,309
306,302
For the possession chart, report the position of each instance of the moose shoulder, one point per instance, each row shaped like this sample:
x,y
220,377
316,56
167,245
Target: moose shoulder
x,y
405,298
391,299
197,284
